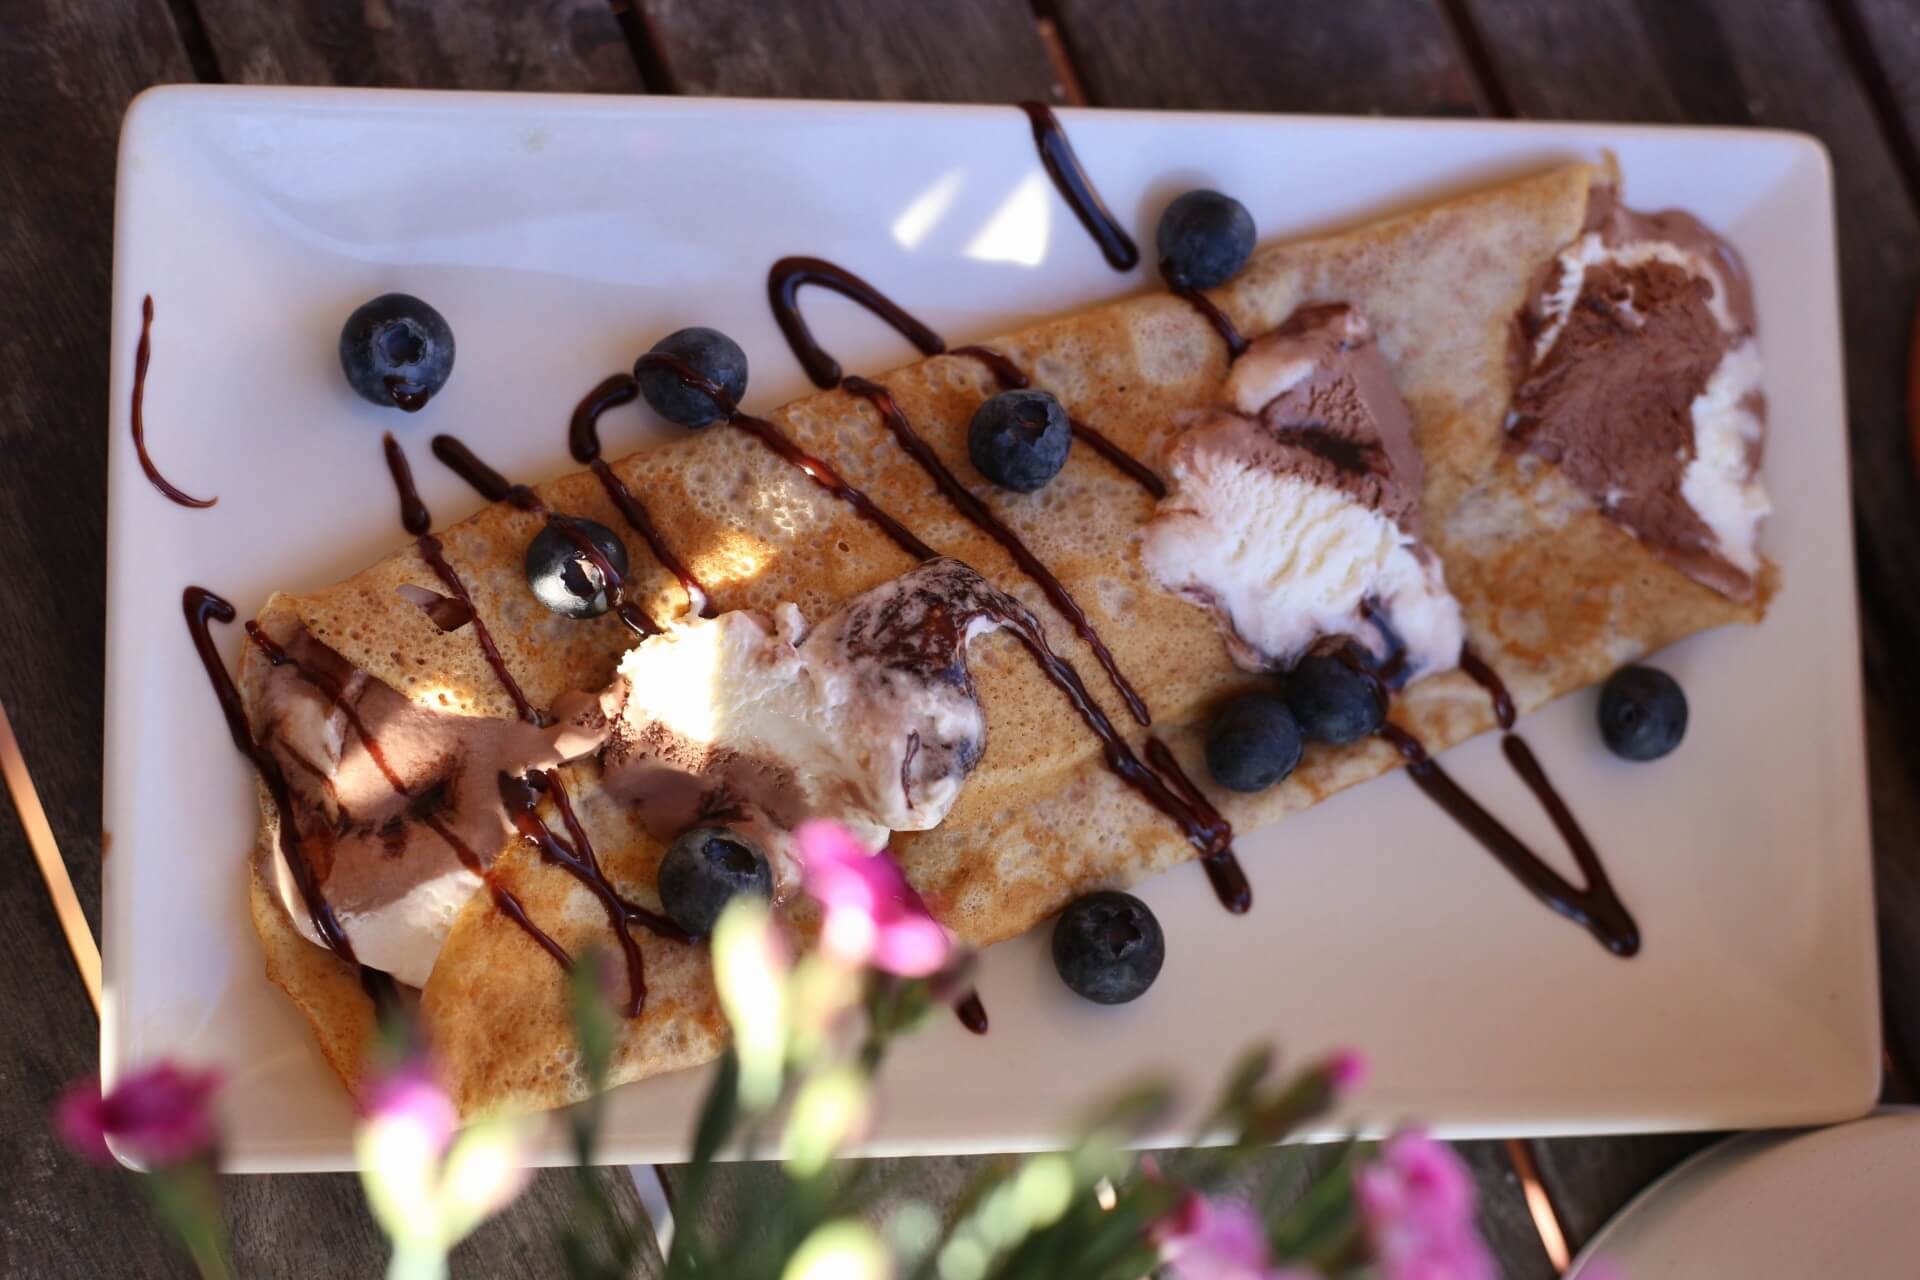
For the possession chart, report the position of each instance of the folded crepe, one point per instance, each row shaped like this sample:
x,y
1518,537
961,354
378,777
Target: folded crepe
x,y
1555,585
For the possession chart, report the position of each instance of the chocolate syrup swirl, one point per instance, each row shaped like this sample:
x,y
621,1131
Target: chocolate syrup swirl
x,y
583,440
787,451
1222,867
494,487
414,516
972,1014
202,606
1056,153
783,288
1204,828
784,282
409,397
521,797
1597,908
435,555
1010,378
1210,312
983,518
142,356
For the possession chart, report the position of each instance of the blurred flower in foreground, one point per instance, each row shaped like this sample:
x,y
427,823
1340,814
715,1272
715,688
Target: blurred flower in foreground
x,y
1417,1199
1217,1240
159,1116
840,1250
873,916
428,1184
750,966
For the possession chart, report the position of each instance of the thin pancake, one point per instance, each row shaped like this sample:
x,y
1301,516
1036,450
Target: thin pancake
x,y
1555,596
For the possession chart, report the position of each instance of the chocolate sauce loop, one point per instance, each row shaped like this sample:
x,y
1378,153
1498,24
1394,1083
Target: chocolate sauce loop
x,y
783,289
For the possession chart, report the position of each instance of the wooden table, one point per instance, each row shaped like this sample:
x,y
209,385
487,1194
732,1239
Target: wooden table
x,y
1845,70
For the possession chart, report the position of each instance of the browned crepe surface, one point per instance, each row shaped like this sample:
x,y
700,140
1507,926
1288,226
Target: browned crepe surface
x,y
1554,594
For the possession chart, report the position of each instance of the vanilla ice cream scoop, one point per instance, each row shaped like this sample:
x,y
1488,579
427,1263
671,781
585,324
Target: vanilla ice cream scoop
x,y
869,717
1293,510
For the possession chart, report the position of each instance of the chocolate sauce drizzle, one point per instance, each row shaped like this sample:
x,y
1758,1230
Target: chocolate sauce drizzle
x,y
1008,375
435,555
1213,315
583,440
983,518
202,606
142,356
1203,827
972,1013
414,516
494,487
783,288
1056,153
521,797
409,397
1597,907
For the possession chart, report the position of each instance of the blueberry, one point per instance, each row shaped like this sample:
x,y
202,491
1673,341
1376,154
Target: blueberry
x,y
709,353
1204,237
1643,713
1332,702
1108,947
1019,439
564,577
396,351
1252,743
705,869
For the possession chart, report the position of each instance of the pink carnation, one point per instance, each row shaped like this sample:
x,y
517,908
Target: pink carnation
x,y
1217,1240
161,1115
1418,1200
873,916
409,1096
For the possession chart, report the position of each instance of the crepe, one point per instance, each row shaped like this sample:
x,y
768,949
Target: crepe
x,y
1554,595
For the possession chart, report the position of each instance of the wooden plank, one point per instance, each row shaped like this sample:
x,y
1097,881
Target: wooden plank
x,y
1591,1179
566,45
1358,57
1784,65
66,72
929,50
1885,35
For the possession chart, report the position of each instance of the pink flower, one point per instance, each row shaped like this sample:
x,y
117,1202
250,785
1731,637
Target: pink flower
x,y
1347,1070
161,1115
1417,1199
873,916
409,1098
1208,1240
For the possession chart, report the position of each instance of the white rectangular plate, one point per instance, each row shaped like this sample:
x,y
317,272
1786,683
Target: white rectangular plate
x,y
561,236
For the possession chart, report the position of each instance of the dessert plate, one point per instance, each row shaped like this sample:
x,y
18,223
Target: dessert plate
x,y
561,236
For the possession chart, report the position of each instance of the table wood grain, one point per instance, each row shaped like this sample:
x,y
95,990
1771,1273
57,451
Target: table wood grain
x,y
1846,71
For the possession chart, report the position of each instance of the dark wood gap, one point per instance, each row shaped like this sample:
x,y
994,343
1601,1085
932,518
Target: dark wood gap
x,y
655,74
1479,58
1857,44
193,40
1058,44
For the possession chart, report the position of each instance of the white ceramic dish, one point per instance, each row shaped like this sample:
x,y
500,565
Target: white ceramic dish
x,y
563,235
1775,1206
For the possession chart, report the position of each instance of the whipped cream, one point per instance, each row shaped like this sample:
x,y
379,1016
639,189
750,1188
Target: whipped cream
x,y
1293,509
